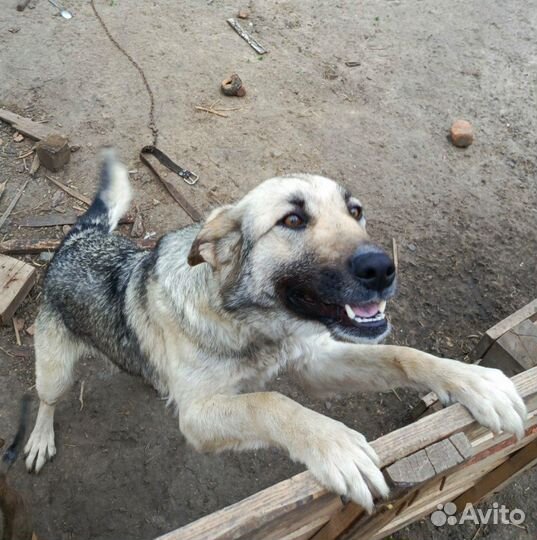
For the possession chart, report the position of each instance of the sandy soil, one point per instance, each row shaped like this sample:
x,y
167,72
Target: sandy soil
x,y
464,220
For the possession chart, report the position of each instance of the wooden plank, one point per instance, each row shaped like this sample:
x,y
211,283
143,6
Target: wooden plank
x,y
410,470
303,519
274,503
443,455
26,126
16,280
252,513
521,342
529,311
70,191
339,522
24,247
54,220
521,460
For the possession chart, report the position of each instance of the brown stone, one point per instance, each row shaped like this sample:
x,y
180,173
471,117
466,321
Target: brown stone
x,y
243,14
462,133
53,152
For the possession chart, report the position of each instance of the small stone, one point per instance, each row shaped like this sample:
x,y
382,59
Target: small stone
x,y
75,148
18,137
411,247
66,229
53,152
243,14
462,133
14,29
156,202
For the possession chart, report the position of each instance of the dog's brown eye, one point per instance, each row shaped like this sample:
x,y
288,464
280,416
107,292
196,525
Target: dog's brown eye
x,y
356,212
293,221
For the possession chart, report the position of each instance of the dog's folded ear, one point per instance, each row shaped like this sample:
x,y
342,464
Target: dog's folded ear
x,y
220,223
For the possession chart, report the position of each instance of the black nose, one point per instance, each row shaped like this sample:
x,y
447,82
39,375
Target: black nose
x,y
373,268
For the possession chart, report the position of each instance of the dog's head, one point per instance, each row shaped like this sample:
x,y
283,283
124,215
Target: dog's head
x,y
299,243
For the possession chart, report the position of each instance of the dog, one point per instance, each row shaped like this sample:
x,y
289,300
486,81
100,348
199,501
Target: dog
x,y
286,279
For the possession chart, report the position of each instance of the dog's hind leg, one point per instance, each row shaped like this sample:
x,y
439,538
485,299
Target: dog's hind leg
x,y
56,353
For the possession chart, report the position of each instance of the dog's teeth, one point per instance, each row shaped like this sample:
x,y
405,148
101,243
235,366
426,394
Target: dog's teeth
x,y
350,312
382,306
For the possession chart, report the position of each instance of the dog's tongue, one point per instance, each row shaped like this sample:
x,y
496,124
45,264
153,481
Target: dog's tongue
x,y
366,310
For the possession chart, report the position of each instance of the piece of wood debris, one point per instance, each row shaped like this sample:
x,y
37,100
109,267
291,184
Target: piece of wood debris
x,y
53,152
12,204
16,280
138,229
18,327
259,49
70,191
23,125
55,220
35,165
81,395
2,188
25,247
26,154
395,253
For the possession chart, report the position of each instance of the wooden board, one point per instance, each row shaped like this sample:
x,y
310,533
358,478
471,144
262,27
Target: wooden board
x,y
16,280
529,311
514,351
24,247
27,127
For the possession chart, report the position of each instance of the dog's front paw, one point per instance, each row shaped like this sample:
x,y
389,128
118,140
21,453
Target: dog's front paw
x,y
342,461
488,394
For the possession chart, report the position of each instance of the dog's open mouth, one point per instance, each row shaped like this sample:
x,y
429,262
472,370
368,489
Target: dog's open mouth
x,y
366,314
365,320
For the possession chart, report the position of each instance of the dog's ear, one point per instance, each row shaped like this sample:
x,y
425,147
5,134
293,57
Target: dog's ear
x,y
220,223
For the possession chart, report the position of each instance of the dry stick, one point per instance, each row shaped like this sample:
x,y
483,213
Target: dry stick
x,y
70,191
212,111
25,247
17,334
29,153
395,255
12,204
81,396
2,188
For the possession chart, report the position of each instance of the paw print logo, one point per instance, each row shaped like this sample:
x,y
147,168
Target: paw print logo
x,y
445,513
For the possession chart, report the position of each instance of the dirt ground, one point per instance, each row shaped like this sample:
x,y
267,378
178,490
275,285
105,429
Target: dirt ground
x,y
464,220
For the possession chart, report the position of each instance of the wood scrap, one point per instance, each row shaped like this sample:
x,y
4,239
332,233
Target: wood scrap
x,y
259,49
16,280
18,327
23,125
70,191
54,220
2,188
25,247
12,204
138,229
53,152
35,165
529,311
514,351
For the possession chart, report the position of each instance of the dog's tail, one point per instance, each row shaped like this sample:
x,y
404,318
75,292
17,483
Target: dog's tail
x,y
113,198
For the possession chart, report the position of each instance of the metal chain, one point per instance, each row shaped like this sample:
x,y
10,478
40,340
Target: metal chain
x,y
151,125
